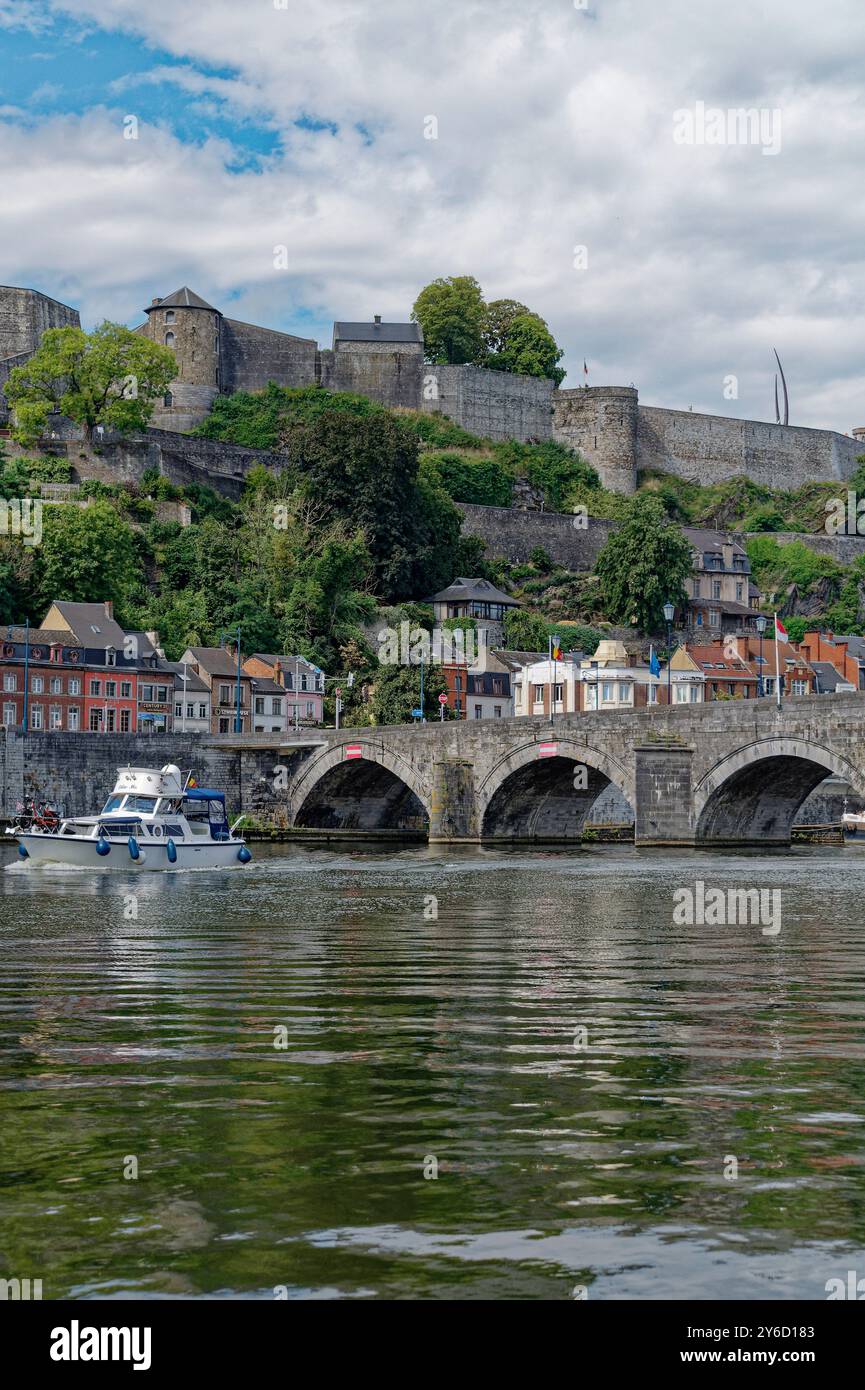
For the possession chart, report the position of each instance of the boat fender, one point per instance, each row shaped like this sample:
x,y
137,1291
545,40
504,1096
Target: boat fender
x,y
23,852
244,854
103,846
171,851
134,851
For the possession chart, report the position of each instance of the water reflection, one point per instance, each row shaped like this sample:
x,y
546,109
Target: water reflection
x,y
139,1016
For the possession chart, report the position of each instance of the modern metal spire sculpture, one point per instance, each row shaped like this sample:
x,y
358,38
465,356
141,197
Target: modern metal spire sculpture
x,y
786,396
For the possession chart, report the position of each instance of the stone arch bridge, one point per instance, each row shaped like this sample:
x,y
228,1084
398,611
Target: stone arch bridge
x,y
726,773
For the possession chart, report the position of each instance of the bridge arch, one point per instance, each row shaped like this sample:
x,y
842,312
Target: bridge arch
x,y
375,790
752,795
534,794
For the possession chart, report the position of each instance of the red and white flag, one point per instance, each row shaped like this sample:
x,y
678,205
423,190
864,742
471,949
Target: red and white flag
x,y
780,630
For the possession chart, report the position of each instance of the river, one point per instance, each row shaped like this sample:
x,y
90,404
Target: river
x,y
432,1072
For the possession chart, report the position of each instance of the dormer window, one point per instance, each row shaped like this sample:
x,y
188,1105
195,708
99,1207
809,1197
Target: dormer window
x,y
110,656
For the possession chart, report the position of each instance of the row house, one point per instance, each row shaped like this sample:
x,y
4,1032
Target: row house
x,y
55,676
732,669
609,680
476,694
110,660
838,662
191,700
217,668
301,688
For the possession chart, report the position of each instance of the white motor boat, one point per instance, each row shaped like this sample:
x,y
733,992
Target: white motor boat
x,y
853,825
153,820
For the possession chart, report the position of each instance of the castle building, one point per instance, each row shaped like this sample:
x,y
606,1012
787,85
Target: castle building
x,y
607,425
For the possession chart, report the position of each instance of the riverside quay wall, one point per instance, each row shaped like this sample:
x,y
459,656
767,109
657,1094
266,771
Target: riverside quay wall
x,y
728,773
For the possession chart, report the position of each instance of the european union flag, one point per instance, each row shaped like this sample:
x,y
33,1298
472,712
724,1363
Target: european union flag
x,y
654,663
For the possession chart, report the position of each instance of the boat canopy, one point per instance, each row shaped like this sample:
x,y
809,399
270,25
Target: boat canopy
x,y
202,794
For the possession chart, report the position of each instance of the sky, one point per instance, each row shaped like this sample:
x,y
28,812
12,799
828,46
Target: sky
x,y
576,155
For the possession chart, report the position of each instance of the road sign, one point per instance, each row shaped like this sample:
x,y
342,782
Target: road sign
x,y
443,699
353,750
417,714
548,750
338,691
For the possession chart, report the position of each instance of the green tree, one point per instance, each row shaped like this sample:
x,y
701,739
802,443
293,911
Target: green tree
x,y
86,554
499,316
451,313
524,631
397,693
529,349
109,377
643,566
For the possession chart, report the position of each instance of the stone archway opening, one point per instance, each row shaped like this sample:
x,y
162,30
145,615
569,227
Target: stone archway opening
x,y
363,796
547,799
757,803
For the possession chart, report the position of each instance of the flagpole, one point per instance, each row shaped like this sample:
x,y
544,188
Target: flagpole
x,y
777,665
552,683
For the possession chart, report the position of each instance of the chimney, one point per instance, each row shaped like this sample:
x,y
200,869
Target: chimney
x,y
156,300
109,608
378,318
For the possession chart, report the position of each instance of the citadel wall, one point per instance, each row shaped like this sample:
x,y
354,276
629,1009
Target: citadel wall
x,y
495,405
24,317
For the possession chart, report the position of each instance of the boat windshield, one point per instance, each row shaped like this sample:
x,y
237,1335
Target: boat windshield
x,y
113,804
140,803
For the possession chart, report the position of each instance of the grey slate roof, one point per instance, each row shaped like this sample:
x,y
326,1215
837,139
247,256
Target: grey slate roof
x,y
828,677
473,591
184,298
855,646
216,661
90,625
377,333
194,684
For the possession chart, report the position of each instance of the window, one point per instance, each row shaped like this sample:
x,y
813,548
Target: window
x,y
96,721
36,717
110,656
126,690
190,711
125,720
557,694
73,718
591,697
225,694
607,695
653,695
10,682
696,588
681,694
202,711
695,694
169,315
310,709
626,693
111,689
289,681
111,719
74,685
731,689
304,683
497,711
146,693
539,694
95,687
168,400
55,717
318,682
259,704
458,684
169,340
740,590
37,685
9,715
769,685
800,687
162,694
276,705
224,726
178,710
716,588
714,617
479,711
56,685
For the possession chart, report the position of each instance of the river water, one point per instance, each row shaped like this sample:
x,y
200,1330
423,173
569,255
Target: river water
x,y
360,1074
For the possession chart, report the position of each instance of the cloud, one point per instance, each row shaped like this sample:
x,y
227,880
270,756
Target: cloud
x,y
555,130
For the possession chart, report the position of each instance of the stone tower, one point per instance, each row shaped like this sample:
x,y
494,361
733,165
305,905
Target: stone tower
x,y
24,317
192,328
600,423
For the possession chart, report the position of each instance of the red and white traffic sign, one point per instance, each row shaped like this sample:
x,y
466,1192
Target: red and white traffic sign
x,y
548,750
353,750
443,699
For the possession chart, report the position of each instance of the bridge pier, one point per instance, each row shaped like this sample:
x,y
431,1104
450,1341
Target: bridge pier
x,y
452,801
664,810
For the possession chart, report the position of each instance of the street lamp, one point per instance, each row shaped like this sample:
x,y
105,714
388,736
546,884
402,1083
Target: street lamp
x,y
761,628
669,612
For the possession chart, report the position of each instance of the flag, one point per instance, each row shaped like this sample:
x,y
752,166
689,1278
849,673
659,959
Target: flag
x,y
192,782
780,631
585,368
654,663
556,650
